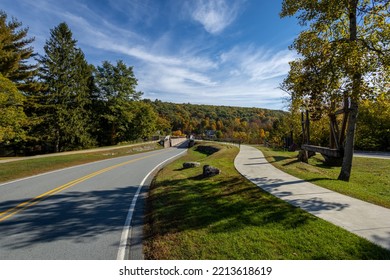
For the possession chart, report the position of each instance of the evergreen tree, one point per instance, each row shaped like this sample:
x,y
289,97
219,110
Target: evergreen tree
x,y
66,75
15,51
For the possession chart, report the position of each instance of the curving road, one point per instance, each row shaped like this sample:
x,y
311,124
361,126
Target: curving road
x,y
83,212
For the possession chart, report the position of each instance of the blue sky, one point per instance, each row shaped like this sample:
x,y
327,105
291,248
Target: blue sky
x,y
217,52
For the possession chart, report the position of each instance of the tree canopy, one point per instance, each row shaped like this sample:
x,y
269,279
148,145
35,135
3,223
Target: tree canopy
x,y
344,56
115,87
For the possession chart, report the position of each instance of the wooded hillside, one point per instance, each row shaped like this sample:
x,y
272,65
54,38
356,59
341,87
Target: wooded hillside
x,y
252,125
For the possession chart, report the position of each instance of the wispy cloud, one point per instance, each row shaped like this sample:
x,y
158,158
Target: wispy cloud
x,y
257,63
135,11
192,69
215,15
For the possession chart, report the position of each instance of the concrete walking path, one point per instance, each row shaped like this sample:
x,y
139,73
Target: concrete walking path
x,y
361,218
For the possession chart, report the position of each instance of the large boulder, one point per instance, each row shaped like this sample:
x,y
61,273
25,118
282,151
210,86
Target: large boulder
x,y
209,171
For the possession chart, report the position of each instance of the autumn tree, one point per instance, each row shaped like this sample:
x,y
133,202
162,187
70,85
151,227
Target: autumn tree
x,y
352,38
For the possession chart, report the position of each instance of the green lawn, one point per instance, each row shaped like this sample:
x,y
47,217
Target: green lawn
x,y
370,179
227,217
19,169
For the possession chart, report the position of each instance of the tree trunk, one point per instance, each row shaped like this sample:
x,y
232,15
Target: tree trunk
x,y
346,167
57,142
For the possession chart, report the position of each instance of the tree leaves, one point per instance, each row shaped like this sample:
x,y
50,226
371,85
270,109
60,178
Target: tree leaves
x,y
343,51
13,120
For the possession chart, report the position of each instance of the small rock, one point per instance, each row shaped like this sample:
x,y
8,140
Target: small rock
x,y
209,171
191,164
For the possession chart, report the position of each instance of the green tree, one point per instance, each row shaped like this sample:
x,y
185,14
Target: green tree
x,y
13,120
66,76
163,125
16,53
144,122
116,89
373,131
355,35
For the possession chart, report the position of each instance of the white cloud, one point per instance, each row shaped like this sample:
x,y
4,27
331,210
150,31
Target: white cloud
x,y
257,63
215,15
189,70
240,76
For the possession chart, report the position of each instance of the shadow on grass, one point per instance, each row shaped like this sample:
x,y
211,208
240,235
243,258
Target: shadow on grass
x,y
200,204
228,206
189,210
323,165
206,150
291,162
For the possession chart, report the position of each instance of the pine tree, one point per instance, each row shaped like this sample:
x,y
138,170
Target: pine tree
x,y
15,52
66,75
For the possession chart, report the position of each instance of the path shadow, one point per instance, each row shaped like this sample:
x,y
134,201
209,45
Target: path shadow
x,y
317,204
383,241
314,204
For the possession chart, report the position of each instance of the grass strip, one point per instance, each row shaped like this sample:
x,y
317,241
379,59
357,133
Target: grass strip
x,y
28,167
370,179
228,217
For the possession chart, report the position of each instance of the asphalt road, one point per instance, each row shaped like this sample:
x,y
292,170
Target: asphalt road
x,y
78,212
381,155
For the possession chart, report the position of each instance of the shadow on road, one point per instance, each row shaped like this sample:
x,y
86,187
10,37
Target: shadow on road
x,y
75,215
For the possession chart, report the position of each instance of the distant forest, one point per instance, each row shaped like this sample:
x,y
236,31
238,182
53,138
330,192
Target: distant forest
x,y
252,125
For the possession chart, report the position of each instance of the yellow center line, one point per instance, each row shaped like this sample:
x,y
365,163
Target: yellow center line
x,y
28,203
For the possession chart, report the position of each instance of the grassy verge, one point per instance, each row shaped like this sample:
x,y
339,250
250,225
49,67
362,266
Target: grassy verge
x,y
19,169
370,179
227,217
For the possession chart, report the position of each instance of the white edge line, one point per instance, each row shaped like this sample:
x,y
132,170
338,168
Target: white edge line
x,y
124,241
